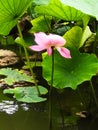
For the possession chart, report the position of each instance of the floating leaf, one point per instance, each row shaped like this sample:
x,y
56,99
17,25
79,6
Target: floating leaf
x,y
57,9
14,76
27,94
70,72
10,11
33,64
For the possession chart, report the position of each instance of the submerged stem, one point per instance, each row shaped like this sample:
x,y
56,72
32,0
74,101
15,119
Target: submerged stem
x,y
93,92
27,57
50,92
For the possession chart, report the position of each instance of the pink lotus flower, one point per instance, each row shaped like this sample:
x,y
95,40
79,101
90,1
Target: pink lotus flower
x,y
47,42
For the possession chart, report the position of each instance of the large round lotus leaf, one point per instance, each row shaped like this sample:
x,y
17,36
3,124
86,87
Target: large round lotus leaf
x,y
70,72
87,6
57,9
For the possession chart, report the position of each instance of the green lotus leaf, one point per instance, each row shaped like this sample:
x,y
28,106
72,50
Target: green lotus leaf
x,y
41,24
73,37
10,12
89,7
27,94
41,2
76,37
70,72
57,9
15,75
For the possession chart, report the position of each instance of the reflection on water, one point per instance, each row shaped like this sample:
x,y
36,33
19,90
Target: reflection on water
x,y
8,107
21,117
24,106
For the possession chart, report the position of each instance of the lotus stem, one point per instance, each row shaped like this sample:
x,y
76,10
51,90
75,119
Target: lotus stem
x,y
50,92
27,57
93,92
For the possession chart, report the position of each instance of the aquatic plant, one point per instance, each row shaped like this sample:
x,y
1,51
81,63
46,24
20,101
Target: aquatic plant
x,y
68,27
47,42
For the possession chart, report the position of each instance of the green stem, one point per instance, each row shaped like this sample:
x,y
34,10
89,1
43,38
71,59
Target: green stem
x,y
27,57
50,92
48,25
93,92
83,100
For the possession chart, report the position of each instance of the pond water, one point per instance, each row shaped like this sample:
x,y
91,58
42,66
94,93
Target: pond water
x,y
22,116
16,116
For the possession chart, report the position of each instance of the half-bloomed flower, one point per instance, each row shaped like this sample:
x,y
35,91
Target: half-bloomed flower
x,y
47,42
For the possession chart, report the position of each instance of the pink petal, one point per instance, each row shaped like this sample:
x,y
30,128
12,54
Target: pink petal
x,y
41,38
56,40
64,52
37,48
49,51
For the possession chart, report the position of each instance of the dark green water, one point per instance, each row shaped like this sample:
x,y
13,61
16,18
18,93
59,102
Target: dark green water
x,y
21,116
24,120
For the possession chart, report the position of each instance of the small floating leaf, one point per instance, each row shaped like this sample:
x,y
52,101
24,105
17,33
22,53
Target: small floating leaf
x,y
27,94
14,76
